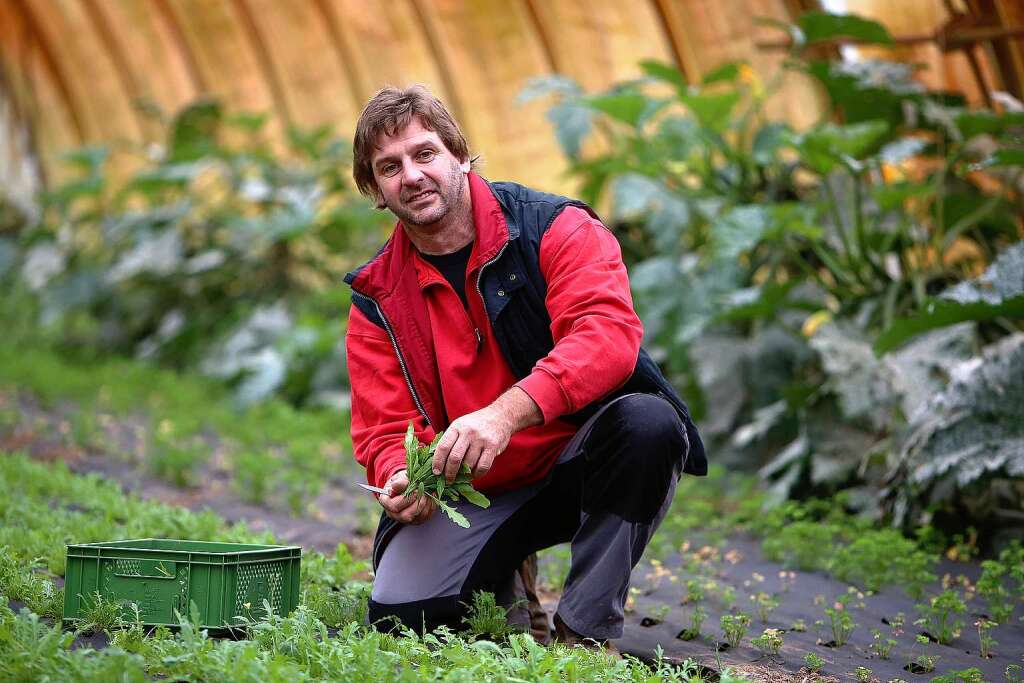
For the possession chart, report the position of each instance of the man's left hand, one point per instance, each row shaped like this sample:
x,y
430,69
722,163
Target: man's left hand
x,y
475,439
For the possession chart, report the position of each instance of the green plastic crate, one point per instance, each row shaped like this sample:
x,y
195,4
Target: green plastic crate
x,y
161,576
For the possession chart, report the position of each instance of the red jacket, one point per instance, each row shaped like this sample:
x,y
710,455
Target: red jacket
x,y
596,332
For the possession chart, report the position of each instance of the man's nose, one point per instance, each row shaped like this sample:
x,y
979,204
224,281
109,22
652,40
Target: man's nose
x,y
411,173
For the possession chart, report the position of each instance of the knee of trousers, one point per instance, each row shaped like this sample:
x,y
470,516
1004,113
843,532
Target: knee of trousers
x,y
650,428
638,454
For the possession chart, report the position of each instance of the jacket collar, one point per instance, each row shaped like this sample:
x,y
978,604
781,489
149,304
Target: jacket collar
x,y
395,263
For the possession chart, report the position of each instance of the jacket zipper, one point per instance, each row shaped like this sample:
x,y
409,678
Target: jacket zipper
x,y
480,276
401,360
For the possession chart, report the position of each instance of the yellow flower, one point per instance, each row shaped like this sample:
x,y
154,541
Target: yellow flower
x,y
815,321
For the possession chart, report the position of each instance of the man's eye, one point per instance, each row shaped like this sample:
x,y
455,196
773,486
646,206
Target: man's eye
x,y
389,170
426,155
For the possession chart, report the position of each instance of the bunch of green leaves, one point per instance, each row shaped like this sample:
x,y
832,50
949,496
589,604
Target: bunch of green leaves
x,y
419,460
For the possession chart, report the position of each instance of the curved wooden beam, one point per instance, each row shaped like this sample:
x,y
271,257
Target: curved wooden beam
x,y
59,79
166,13
116,53
675,41
550,56
454,102
266,64
343,53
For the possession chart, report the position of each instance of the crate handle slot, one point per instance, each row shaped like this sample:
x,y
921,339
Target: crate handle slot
x,y
145,569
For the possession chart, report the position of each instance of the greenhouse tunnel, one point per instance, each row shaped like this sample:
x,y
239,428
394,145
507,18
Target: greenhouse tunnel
x,y
75,72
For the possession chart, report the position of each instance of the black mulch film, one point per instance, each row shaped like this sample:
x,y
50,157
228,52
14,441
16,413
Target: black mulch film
x,y
743,567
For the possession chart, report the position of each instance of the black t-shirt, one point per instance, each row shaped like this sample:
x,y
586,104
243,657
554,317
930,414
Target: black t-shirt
x,y
453,267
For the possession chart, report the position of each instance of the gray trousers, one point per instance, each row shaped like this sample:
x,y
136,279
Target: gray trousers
x,y
610,488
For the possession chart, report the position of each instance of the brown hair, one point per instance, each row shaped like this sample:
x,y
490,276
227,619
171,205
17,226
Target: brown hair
x,y
388,112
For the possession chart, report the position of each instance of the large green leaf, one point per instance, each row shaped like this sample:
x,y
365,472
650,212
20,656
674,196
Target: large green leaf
x,y
626,107
712,110
970,435
726,73
739,230
664,72
972,123
572,122
194,131
821,26
998,293
1007,157
770,138
827,146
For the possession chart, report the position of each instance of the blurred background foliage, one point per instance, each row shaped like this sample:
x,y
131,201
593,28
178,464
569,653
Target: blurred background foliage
x,y
842,304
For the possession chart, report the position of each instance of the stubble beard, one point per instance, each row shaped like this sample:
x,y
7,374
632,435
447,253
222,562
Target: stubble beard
x,y
448,196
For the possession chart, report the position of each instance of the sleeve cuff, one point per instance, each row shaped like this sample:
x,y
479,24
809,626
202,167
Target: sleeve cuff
x,y
547,393
386,472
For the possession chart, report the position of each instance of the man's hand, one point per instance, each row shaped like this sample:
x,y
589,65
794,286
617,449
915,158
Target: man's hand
x,y
412,510
477,438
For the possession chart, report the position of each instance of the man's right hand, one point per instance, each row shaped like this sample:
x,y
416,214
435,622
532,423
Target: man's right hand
x,y
412,510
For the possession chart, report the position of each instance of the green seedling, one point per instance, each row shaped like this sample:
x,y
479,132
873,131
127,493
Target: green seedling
x,y
863,674
696,621
422,480
765,605
728,597
991,587
985,627
657,613
485,618
799,626
896,623
1013,673
938,617
99,613
769,642
734,626
840,622
921,663
971,675
814,662
879,646
694,591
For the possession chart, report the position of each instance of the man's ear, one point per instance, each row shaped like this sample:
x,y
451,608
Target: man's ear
x,y
465,166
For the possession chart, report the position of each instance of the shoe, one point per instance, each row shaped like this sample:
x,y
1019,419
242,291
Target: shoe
x,y
568,637
540,629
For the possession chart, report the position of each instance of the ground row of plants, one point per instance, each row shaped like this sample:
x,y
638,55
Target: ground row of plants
x,y
177,426
326,638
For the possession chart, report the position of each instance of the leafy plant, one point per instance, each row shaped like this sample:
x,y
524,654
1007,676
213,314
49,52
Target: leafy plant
x,y
734,626
423,482
1012,673
985,627
881,557
922,663
769,642
486,618
697,618
99,613
814,662
938,615
841,624
863,674
766,604
216,233
971,675
879,646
